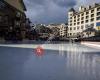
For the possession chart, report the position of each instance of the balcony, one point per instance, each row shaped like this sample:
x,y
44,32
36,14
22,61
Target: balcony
x,y
92,11
98,9
87,21
92,19
98,18
98,13
82,22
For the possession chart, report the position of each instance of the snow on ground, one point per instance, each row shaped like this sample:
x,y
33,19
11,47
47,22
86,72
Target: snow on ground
x,y
62,47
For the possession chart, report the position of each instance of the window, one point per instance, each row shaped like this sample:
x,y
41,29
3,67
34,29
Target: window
x,y
92,19
70,14
82,22
82,27
98,9
78,15
87,13
73,33
82,14
74,16
70,17
87,17
82,18
91,25
77,27
86,26
2,5
74,23
78,19
74,28
18,14
5,19
70,20
98,14
70,28
92,15
98,18
87,21
70,24
92,11
78,22
74,20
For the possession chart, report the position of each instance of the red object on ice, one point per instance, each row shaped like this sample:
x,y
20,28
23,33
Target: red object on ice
x,y
39,51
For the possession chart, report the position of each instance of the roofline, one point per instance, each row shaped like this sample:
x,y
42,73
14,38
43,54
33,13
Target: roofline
x,y
23,5
79,12
13,7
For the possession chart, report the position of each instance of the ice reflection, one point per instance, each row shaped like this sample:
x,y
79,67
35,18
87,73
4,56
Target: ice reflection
x,y
60,62
61,50
81,64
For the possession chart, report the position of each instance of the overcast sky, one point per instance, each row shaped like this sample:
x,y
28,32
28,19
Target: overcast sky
x,y
52,11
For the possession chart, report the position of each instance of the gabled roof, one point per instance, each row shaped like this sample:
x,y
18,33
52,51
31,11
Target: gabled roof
x,y
24,7
18,4
71,10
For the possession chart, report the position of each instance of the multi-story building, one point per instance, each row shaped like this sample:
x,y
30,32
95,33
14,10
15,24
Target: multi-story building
x,y
86,17
55,29
12,19
63,30
59,29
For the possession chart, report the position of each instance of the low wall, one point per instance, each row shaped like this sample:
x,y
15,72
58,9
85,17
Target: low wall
x,y
91,44
92,39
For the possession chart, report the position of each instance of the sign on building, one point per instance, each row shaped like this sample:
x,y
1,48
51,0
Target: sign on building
x,y
98,25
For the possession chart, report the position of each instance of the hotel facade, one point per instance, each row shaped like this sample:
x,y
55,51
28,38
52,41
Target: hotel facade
x,y
85,18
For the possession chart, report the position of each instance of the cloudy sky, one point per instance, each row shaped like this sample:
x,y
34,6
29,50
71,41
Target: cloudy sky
x,y
52,11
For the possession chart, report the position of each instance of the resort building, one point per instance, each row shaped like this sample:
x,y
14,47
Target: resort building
x,y
60,29
55,29
63,30
12,19
84,19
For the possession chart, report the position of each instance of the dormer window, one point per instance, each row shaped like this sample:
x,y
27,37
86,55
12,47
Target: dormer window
x,y
89,7
72,10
